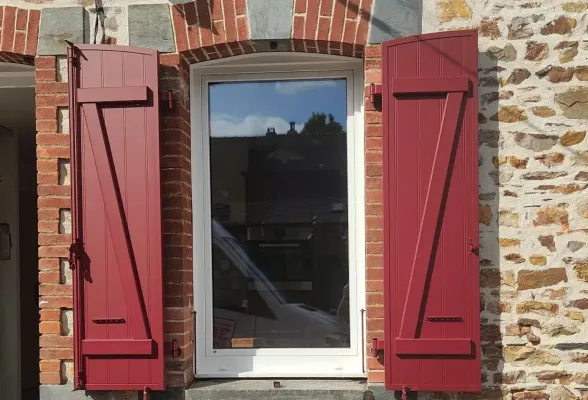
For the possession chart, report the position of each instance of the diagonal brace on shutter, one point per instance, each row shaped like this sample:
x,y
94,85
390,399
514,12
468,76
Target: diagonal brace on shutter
x,y
118,225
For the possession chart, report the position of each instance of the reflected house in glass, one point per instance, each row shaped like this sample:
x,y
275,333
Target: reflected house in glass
x,y
292,215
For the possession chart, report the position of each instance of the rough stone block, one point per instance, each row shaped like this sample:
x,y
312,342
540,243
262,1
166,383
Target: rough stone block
x,y
61,68
395,18
112,26
62,120
270,20
64,272
64,172
58,25
64,221
150,26
67,322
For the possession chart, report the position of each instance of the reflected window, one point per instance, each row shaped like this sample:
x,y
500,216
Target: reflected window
x,y
279,210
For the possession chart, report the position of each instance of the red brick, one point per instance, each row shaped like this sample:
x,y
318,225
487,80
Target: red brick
x,y
298,31
56,342
373,143
216,11
373,76
51,100
50,378
311,22
375,222
50,327
8,29
33,32
55,290
373,210
46,112
179,27
46,226
21,19
53,202
373,63
374,196
50,366
374,298
47,125
374,363
374,235
53,87
373,117
374,273
373,170
374,248
53,251
55,302
300,6
56,354
230,21
352,9
50,315
44,75
243,30
49,264
53,190
47,179
374,183
46,239
326,7
53,152
241,7
19,42
375,311
205,23
373,51
374,285
49,277
375,324
324,30
349,32
373,157
219,32
376,376
48,215
362,30
45,62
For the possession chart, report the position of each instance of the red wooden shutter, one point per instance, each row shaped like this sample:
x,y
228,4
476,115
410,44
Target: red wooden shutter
x,y
431,212
117,242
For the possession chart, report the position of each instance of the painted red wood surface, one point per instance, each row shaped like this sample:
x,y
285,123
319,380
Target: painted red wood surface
x,y
116,207
432,318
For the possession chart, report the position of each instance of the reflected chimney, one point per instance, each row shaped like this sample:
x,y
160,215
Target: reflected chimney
x,y
292,130
271,132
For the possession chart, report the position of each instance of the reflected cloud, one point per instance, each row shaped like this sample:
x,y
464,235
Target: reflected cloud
x,y
224,125
290,88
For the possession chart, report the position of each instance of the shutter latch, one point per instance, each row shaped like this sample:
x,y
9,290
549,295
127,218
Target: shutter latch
x,y
166,97
473,249
377,346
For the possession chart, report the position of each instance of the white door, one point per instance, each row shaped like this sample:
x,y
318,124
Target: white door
x,y
277,164
9,272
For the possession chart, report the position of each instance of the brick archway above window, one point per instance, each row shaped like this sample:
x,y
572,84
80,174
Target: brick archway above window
x,y
19,31
212,29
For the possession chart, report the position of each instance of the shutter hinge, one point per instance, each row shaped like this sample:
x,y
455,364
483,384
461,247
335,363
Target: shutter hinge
x,y
377,347
74,253
73,55
375,93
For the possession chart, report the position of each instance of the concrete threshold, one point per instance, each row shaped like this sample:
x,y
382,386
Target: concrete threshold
x,y
289,389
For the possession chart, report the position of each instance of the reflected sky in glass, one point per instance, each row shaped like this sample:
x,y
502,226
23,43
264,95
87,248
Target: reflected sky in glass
x,y
250,108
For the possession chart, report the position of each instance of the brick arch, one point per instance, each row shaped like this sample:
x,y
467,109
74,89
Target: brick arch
x,y
212,29
19,32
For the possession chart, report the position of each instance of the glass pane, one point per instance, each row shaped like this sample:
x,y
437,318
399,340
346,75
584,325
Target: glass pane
x,y
278,168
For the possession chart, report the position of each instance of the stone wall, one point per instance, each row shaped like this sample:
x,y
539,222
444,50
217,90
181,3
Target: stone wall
x,y
533,199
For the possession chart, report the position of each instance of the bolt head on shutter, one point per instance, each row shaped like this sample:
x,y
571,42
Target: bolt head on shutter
x,y
116,254
432,308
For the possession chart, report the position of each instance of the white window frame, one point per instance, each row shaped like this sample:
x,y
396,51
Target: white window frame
x,y
295,363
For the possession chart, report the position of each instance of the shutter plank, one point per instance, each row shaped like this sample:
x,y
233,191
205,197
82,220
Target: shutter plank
x,y
430,202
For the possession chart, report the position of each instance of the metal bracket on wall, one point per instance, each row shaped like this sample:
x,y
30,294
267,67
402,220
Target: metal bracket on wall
x,y
166,97
375,93
377,346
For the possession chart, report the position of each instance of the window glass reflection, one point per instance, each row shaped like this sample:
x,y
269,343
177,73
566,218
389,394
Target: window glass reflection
x,y
278,168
